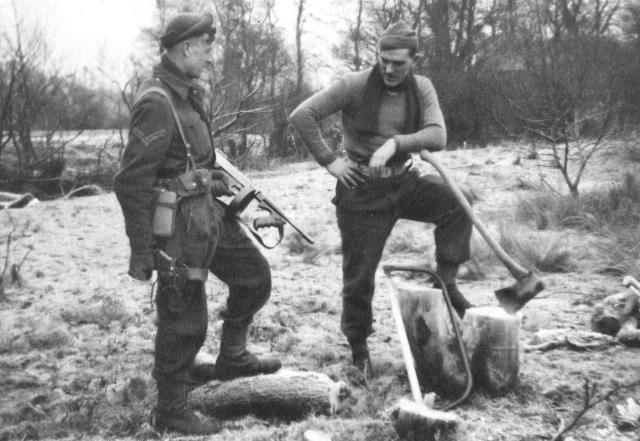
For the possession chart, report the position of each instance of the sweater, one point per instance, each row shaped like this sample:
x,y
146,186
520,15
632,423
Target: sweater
x,y
346,95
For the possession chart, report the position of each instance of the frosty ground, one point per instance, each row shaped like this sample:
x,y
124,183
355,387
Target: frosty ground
x,y
76,333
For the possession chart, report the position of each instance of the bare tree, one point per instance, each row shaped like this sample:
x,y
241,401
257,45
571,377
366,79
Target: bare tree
x,y
565,90
299,52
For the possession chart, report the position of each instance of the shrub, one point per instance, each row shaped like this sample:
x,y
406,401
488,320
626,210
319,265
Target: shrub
x,y
594,211
533,252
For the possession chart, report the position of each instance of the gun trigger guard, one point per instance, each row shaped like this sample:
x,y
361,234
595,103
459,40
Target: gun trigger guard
x,y
254,231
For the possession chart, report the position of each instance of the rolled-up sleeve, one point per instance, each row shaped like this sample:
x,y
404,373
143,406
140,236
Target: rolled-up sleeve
x,y
150,134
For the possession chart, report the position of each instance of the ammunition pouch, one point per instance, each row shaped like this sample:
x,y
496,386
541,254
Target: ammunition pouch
x,y
189,183
187,251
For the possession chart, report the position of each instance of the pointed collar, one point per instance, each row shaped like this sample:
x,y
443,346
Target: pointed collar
x,y
172,76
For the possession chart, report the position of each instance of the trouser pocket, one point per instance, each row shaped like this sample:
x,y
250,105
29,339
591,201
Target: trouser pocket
x,y
200,223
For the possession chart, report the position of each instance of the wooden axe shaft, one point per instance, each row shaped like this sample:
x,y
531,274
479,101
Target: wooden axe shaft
x,y
514,267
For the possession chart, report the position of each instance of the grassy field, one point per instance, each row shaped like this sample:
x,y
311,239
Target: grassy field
x,y
76,333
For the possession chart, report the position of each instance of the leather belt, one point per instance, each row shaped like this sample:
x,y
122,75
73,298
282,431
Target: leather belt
x,y
386,172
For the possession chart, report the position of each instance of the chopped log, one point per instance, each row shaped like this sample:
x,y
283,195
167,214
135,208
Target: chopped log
x,y
491,338
547,339
618,315
16,200
286,394
432,340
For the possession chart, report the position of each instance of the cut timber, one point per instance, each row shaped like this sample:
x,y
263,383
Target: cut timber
x,y
432,340
491,337
286,394
414,421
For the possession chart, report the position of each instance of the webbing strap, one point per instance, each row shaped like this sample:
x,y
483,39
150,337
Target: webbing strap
x,y
162,92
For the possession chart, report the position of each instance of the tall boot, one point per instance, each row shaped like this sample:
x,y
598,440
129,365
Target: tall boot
x,y
235,360
172,414
448,275
360,354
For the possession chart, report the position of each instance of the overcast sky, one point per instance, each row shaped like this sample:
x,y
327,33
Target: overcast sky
x,y
88,35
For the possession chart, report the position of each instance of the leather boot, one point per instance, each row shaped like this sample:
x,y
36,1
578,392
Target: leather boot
x,y
447,273
236,361
172,414
458,300
360,354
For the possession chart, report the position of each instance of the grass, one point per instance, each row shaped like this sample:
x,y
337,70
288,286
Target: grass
x,y
535,252
613,215
617,206
297,246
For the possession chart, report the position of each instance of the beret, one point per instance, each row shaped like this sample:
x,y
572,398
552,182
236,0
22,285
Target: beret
x,y
398,35
185,26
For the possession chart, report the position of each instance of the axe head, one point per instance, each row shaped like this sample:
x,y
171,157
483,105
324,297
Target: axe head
x,y
513,298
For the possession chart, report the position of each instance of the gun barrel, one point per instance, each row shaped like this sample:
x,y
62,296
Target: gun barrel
x,y
271,207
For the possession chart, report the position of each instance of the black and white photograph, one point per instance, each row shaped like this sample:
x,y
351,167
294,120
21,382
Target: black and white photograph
x,y
320,220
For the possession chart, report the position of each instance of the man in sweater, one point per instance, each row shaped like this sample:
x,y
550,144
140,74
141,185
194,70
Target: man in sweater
x,y
387,114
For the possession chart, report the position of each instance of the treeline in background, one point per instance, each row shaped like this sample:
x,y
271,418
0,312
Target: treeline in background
x,y
554,74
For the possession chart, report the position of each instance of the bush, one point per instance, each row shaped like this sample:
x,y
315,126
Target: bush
x,y
531,251
613,215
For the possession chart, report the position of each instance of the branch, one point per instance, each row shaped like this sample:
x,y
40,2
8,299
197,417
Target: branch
x,y
238,112
590,401
8,247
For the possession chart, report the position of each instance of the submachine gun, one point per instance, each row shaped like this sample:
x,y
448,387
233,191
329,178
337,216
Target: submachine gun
x,y
244,193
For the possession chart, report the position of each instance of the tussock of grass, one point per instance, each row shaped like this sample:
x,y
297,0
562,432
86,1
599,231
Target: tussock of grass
x,y
101,314
613,215
532,252
594,211
297,246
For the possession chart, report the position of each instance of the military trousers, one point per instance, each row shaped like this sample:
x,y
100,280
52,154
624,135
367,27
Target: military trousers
x,y
366,215
206,237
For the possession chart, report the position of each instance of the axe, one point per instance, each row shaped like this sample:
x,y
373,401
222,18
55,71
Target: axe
x,y
528,283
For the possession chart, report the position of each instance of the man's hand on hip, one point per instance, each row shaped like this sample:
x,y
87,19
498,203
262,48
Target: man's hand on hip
x,y
347,173
381,156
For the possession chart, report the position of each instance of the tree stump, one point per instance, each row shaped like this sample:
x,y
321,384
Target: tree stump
x,y
286,394
491,338
432,340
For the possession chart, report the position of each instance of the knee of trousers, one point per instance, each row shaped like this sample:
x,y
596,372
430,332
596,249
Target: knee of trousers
x,y
248,297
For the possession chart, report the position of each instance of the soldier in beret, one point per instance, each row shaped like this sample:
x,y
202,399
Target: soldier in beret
x,y
387,114
167,191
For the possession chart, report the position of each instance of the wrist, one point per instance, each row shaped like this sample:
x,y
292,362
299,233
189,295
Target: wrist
x,y
396,144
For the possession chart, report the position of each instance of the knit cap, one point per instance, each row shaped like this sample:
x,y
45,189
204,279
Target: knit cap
x,y
398,35
185,26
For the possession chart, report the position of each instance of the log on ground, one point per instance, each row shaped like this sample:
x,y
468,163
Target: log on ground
x,y
285,394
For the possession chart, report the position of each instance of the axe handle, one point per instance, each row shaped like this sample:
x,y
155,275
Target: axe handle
x,y
514,267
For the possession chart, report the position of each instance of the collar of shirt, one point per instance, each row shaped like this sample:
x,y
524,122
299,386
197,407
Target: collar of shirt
x,y
173,77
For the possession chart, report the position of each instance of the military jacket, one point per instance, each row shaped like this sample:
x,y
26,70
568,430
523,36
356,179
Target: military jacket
x,y
155,149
